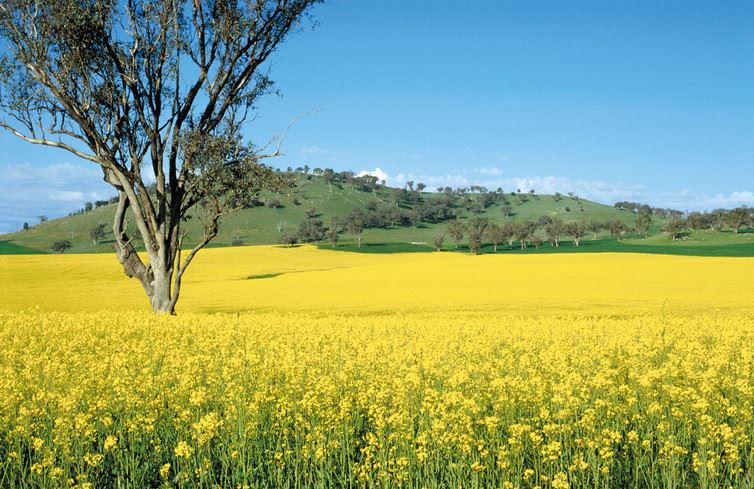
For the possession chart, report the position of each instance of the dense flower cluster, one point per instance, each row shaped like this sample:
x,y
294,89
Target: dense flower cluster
x,y
451,400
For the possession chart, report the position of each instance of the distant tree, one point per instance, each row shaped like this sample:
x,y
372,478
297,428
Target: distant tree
x,y
475,229
523,231
595,227
88,206
738,218
495,234
700,221
717,218
536,241
26,226
42,219
289,240
350,178
557,196
616,227
355,224
97,233
420,187
643,223
509,232
274,203
396,196
456,230
310,231
333,232
675,227
507,210
553,230
329,176
61,246
235,237
310,213
576,230
439,240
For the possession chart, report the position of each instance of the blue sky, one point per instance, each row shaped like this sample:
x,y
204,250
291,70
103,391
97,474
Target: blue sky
x,y
648,101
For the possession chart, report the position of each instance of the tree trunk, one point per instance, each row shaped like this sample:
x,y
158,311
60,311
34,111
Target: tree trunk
x,y
494,248
161,297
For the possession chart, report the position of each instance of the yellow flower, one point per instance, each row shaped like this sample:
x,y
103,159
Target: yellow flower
x,y
183,450
110,442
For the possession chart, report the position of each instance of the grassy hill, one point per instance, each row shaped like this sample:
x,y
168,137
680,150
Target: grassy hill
x,y
266,225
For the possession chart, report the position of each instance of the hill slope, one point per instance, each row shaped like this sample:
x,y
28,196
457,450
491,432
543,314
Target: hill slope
x,y
266,225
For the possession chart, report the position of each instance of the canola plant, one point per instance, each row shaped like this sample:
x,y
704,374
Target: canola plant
x,y
635,386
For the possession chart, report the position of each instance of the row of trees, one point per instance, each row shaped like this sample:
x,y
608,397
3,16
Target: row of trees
x,y
717,220
526,232
90,206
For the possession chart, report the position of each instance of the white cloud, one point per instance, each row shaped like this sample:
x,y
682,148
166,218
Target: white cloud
x,y
491,177
690,201
492,171
28,191
377,172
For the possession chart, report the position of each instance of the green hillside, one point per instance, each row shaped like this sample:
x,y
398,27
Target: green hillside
x,y
265,225
313,198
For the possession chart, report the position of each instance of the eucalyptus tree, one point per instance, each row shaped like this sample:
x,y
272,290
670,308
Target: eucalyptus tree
x,y
456,230
155,93
495,234
576,230
475,229
643,223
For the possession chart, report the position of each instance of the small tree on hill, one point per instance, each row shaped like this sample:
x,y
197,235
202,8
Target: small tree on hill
x,y
595,227
738,218
456,230
523,231
355,224
576,230
61,246
553,230
328,175
333,232
675,227
439,240
289,240
643,223
617,228
476,229
97,233
494,234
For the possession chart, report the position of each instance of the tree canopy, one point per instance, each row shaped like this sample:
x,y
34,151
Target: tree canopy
x,y
155,93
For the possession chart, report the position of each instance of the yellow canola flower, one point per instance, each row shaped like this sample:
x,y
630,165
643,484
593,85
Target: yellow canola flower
x,y
290,367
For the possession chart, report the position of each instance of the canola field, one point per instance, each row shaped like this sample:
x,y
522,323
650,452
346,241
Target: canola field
x,y
308,368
